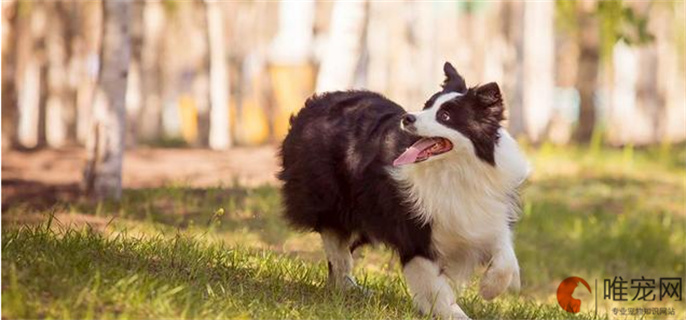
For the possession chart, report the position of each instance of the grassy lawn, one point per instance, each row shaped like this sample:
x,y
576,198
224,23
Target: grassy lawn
x,y
224,252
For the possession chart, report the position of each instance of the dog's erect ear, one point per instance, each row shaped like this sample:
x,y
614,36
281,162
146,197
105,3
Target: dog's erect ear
x,y
453,80
489,94
490,99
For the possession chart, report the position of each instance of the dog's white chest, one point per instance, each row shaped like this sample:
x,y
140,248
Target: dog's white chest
x,y
466,206
465,214
468,202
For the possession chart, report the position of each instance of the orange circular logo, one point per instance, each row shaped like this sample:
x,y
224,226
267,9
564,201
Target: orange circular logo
x,y
565,291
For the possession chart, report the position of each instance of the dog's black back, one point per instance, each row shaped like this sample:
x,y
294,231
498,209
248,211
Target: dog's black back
x,y
335,160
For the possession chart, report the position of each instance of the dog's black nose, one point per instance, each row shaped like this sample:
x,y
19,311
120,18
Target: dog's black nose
x,y
408,119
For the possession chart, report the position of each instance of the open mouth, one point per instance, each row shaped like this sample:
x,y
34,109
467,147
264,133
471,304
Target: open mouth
x,y
423,149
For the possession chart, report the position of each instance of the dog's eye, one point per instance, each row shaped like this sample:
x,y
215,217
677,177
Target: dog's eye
x,y
443,115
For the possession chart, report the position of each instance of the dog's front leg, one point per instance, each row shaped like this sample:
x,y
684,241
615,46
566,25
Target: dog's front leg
x,y
503,271
430,289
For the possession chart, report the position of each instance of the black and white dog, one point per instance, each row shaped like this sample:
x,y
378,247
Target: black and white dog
x,y
439,186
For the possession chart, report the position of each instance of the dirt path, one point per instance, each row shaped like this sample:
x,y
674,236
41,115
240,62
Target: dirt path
x,y
54,175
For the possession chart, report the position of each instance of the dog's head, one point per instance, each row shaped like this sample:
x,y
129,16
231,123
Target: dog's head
x,y
456,119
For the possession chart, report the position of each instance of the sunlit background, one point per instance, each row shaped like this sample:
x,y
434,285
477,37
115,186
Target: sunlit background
x,y
174,114
571,70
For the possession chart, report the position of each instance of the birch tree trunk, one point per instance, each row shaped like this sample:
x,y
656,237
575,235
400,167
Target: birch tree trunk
x,y
289,64
293,42
587,77
512,17
29,79
624,120
337,70
106,143
671,72
539,80
58,97
9,54
150,121
201,80
220,131
90,30
134,90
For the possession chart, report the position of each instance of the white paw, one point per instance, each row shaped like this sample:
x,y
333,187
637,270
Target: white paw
x,y
495,282
349,282
456,313
515,283
345,282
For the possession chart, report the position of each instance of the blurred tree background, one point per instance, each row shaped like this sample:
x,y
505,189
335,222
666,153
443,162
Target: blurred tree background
x,y
175,109
214,74
610,67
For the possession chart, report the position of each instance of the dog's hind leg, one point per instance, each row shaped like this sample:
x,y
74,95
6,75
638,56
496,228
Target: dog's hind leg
x,y
340,260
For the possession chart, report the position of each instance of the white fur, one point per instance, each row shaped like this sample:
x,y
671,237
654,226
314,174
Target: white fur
x,y
468,202
426,123
430,289
338,255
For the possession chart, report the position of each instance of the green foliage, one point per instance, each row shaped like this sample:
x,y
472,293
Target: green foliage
x,y
565,16
24,8
617,22
167,142
171,6
620,23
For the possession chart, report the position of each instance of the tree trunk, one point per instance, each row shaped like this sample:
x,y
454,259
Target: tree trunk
x,y
220,131
539,79
9,53
380,23
512,27
106,144
150,121
338,66
201,79
134,90
625,121
290,59
90,33
671,72
29,78
587,76
58,103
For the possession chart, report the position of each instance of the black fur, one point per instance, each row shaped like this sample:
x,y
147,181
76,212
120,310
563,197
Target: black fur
x,y
476,114
334,172
453,80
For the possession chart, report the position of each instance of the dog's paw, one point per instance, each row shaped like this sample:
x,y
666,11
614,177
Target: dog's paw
x,y
515,283
344,283
349,283
495,282
456,313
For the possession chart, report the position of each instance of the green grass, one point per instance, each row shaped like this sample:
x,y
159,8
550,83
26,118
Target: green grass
x,y
83,274
170,253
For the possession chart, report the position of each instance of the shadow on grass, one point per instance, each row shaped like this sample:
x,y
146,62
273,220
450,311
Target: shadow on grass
x,y
256,210
601,226
36,195
79,271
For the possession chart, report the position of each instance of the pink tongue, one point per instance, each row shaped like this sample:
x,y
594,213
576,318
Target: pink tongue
x,y
410,155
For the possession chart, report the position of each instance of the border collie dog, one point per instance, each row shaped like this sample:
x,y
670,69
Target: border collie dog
x,y
438,186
